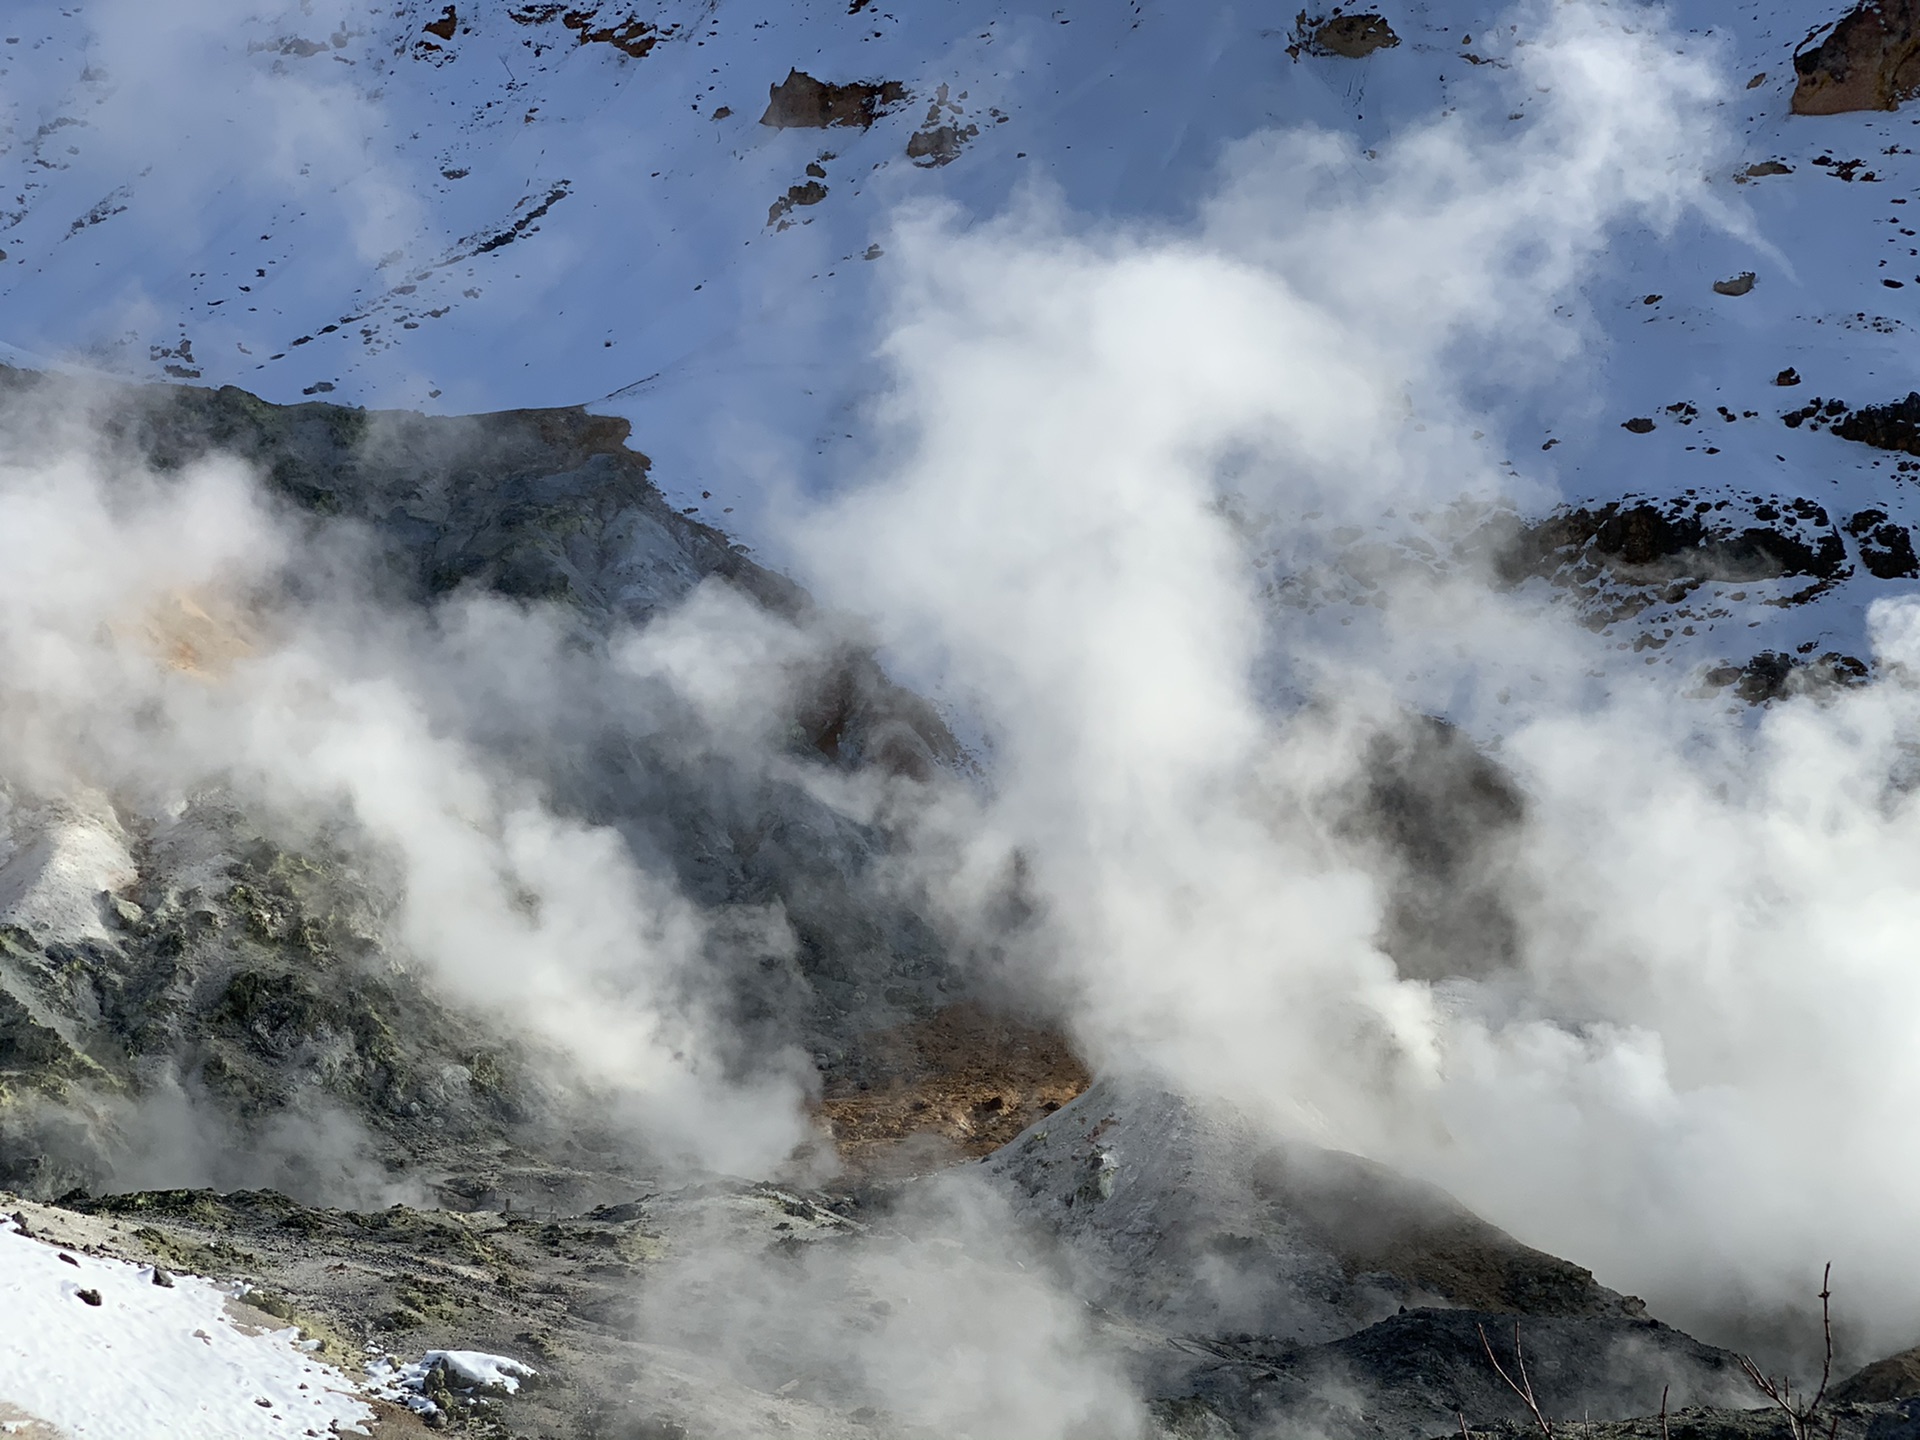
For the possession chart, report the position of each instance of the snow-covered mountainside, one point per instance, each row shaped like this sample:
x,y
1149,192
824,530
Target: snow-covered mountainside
x,y
480,207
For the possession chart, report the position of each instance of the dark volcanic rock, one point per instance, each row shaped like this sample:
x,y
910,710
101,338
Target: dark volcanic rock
x,y
1416,1373
1645,542
1886,548
1870,60
1894,426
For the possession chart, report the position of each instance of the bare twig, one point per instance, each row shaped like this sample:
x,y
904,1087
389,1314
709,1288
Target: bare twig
x,y
1523,1387
1461,1415
1663,1411
1801,1415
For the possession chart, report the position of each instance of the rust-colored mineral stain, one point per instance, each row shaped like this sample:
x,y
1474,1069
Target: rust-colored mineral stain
x,y
963,1081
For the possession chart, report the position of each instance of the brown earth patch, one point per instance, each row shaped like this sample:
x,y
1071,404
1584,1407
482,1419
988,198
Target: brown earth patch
x,y
1869,60
1352,37
445,25
801,102
631,36
960,1083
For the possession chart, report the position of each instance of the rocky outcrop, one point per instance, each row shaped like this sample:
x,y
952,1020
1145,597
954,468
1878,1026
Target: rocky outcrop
x,y
1869,60
1657,544
1893,426
200,959
1352,37
802,102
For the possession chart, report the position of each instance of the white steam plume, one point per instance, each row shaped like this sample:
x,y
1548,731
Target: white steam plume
x,y
1709,1025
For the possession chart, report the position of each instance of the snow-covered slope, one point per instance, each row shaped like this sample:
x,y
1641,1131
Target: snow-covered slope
x,y
474,207
97,1347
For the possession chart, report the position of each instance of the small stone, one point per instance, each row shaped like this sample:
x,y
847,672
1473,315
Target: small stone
x,y
1639,425
1788,376
69,1259
162,1278
20,1224
90,1297
1739,285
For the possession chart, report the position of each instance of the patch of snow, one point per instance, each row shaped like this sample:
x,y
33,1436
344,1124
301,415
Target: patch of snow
x,y
141,1362
465,1370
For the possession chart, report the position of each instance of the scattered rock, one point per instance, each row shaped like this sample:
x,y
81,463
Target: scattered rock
x,y
162,1278
810,193
1869,60
445,25
1639,425
69,1260
1766,168
631,36
802,102
1739,285
88,1297
1788,376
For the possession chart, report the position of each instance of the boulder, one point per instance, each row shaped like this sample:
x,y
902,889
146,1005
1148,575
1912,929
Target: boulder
x,y
1869,60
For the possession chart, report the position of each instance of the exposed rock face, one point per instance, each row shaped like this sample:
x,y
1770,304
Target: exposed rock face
x,y
1648,543
1894,426
1886,547
204,955
802,102
1353,37
1870,60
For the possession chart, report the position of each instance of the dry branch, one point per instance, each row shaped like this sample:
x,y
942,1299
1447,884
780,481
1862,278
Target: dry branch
x,y
1523,1387
1801,1417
